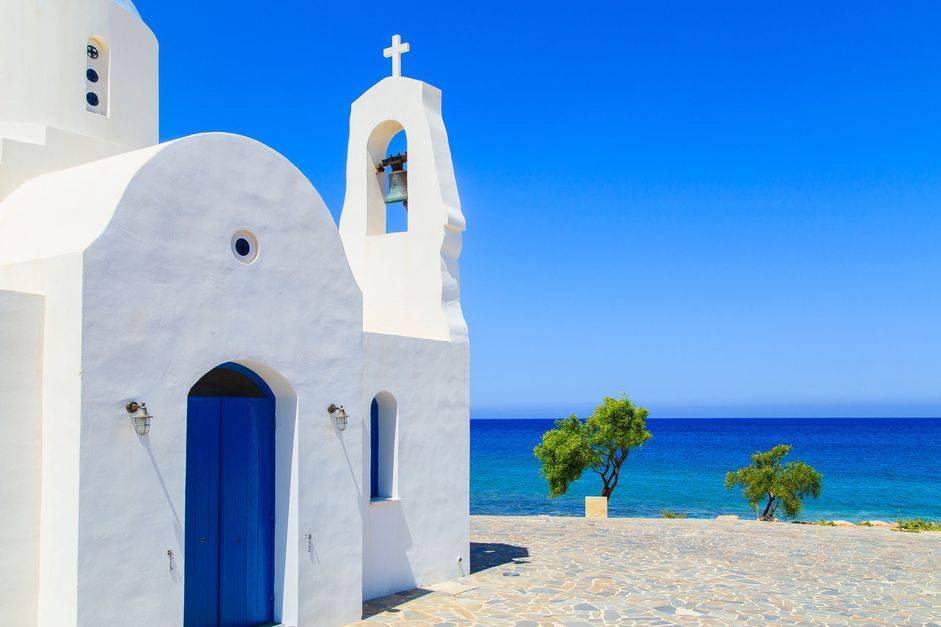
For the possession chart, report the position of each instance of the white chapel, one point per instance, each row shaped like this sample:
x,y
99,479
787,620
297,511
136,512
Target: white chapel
x,y
216,407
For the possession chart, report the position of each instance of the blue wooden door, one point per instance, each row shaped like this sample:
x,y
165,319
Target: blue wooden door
x,y
229,560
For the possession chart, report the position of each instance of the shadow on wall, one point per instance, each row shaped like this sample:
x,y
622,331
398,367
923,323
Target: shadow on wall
x,y
484,555
177,524
388,567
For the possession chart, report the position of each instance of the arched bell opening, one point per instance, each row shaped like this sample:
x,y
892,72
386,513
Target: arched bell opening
x,y
395,170
230,499
387,210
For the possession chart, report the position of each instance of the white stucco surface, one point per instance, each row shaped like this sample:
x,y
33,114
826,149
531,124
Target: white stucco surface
x,y
28,150
127,5
44,124
162,300
58,279
21,339
416,340
417,538
295,311
42,45
65,211
410,280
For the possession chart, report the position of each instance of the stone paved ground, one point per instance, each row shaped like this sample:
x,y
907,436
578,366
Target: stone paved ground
x,y
657,572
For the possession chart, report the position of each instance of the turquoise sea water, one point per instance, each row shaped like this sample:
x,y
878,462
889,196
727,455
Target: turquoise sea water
x,y
872,468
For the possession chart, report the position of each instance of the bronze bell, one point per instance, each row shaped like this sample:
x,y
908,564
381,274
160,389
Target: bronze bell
x,y
398,178
398,187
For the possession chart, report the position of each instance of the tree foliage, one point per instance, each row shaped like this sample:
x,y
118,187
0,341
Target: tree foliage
x,y
776,483
600,443
564,453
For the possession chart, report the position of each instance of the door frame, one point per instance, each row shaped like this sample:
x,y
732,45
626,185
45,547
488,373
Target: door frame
x,y
261,405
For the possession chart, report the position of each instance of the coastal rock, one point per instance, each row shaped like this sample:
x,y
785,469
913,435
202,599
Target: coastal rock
x,y
843,523
879,523
728,517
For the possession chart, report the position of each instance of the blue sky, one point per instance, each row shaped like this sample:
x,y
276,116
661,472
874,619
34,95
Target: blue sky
x,y
727,209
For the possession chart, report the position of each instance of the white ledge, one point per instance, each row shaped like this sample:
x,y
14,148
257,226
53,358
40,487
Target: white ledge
x,y
382,500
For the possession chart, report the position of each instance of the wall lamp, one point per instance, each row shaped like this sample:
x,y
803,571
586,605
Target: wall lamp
x,y
340,416
138,411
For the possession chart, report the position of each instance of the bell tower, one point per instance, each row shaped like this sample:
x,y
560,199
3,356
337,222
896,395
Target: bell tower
x,y
79,83
411,279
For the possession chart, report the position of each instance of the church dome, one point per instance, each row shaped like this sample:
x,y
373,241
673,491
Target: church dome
x,y
128,6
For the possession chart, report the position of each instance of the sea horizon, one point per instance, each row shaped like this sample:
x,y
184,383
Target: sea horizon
x,y
873,468
811,411
473,417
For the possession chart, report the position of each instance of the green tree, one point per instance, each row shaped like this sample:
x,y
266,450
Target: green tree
x,y
776,483
601,443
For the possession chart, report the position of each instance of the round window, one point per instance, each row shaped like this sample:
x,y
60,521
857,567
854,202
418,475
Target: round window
x,y
91,75
92,51
245,246
92,98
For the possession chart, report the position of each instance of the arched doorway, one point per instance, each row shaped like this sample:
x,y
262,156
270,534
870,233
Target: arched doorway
x,y
230,500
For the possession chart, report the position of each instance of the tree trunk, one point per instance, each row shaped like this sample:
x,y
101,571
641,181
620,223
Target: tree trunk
x,y
610,479
770,506
774,508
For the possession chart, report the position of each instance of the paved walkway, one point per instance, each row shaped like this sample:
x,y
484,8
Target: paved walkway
x,y
575,571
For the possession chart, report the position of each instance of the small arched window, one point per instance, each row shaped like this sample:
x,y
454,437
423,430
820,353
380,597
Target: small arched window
x,y
383,447
97,72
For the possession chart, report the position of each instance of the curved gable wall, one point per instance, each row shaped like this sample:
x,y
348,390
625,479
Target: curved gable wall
x,y
144,296
63,212
165,300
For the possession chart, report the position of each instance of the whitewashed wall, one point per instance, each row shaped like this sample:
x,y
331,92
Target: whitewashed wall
x,y
61,388
42,45
21,336
417,538
162,301
410,281
416,338
27,151
44,124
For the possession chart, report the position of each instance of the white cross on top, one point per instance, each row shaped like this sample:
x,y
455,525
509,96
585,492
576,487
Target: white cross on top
x,y
395,51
